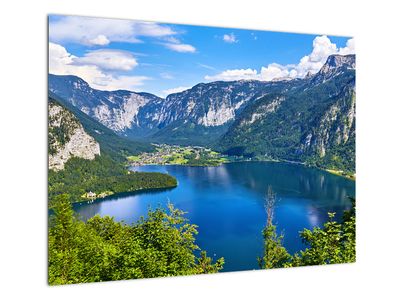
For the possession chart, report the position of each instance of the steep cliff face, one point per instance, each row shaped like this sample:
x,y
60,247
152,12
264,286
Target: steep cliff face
x,y
121,111
212,104
334,128
203,113
261,111
313,122
67,138
205,109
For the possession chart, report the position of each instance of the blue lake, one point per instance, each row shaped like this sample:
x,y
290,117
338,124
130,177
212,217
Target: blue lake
x,y
227,203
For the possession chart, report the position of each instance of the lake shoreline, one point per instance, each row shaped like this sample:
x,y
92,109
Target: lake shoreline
x,y
227,204
341,174
109,196
122,194
128,193
331,171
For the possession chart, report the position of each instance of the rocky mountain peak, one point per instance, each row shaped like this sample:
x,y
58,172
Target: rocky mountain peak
x,y
335,65
308,75
337,61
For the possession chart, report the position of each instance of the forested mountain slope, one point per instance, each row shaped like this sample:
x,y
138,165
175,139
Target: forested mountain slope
x,y
314,122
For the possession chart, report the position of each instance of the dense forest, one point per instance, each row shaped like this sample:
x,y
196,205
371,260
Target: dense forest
x,y
102,176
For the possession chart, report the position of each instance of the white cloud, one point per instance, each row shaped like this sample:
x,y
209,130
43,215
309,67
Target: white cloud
x,y
230,75
172,40
100,31
151,29
175,90
63,63
175,44
349,49
273,71
180,47
230,38
108,59
100,40
58,58
322,48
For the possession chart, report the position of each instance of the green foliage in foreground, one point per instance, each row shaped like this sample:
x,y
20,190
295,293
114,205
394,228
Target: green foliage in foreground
x,y
335,243
275,255
99,176
102,249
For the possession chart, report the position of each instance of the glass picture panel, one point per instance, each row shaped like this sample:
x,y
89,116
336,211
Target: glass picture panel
x,y
182,150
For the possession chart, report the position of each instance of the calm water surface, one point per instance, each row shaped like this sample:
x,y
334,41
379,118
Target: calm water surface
x,y
227,203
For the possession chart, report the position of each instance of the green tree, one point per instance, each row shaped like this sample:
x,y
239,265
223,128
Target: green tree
x,y
163,244
62,239
333,244
275,255
205,265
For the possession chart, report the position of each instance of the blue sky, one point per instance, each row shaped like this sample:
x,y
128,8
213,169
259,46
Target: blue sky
x,y
163,58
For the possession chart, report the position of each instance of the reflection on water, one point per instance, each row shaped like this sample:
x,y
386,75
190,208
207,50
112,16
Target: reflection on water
x,y
227,203
119,206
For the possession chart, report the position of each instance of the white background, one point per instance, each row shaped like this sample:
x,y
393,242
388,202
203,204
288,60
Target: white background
x,y
23,213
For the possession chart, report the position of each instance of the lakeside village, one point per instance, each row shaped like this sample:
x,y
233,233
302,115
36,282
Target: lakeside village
x,y
179,155
188,156
203,157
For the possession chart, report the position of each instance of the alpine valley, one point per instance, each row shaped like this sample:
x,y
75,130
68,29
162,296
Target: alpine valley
x,y
254,168
309,120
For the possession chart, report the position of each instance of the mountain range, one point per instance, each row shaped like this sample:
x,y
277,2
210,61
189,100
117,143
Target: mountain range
x,y
307,120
